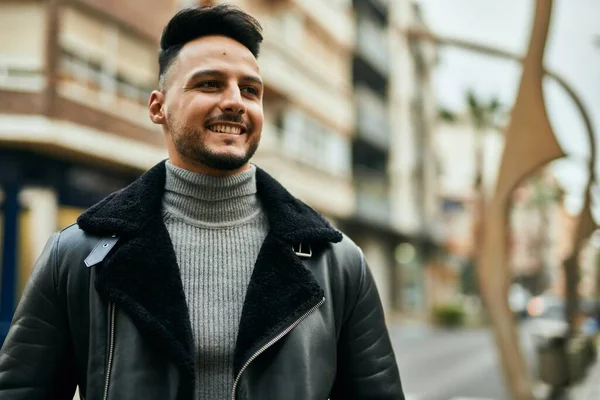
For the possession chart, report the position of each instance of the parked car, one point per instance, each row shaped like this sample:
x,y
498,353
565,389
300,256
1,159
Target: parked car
x,y
548,313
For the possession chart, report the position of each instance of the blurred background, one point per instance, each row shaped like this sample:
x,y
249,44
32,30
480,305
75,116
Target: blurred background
x,y
389,117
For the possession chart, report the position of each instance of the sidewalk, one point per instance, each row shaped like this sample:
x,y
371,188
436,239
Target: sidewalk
x,y
589,387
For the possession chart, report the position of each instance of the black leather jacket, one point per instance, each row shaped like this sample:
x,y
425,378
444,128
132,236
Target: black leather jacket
x,y
104,309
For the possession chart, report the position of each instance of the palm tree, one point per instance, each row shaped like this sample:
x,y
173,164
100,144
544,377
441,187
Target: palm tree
x,y
543,196
483,115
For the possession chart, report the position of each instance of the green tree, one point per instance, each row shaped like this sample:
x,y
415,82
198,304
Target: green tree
x,y
483,115
543,196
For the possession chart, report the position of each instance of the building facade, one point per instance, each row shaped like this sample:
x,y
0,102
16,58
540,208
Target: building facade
x,y
74,83
393,162
308,100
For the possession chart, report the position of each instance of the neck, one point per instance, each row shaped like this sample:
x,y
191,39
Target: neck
x,y
204,169
210,200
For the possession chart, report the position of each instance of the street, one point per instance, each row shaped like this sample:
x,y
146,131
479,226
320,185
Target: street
x,y
458,364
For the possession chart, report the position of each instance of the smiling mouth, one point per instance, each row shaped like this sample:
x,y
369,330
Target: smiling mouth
x,y
227,129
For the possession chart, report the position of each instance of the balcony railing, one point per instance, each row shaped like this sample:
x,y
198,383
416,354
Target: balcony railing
x,y
296,78
315,145
372,195
372,44
88,83
372,118
26,79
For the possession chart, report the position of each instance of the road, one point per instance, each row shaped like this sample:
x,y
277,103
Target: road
x,y
458,365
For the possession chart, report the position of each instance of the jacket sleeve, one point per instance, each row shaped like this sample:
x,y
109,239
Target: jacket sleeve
x,y
36,358
366,366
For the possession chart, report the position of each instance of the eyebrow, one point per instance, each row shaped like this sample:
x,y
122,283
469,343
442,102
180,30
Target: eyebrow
x,y
220,74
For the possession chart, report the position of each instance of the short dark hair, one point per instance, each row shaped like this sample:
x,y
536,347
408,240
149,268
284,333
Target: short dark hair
x,y
195,22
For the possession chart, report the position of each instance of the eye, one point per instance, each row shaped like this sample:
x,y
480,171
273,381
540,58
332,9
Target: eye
x,y
208,85
250,90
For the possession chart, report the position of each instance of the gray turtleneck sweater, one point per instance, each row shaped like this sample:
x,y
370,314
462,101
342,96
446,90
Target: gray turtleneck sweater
x,y
217,227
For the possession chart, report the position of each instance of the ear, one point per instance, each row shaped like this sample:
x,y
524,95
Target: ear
x,y
155,107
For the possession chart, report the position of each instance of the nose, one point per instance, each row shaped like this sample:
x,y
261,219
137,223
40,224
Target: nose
x,y
232,102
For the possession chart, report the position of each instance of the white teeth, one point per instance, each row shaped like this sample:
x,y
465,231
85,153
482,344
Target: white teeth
x,y
226,129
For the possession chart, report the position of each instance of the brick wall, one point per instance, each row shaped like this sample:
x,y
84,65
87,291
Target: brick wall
x,y
12,102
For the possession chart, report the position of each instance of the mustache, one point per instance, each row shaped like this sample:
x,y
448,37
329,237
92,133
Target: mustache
x,y
235,118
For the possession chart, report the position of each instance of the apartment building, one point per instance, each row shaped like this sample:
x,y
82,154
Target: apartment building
x,y
74,83
308,100
393,164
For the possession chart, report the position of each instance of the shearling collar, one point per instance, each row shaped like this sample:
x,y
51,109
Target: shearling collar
x,y
127,211
142,277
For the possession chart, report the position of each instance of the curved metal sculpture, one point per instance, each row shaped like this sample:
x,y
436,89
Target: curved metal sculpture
x,y
530,143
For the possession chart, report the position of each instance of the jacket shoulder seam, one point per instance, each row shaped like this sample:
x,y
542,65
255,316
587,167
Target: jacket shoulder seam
x,y
67,227
360,276
54,259
361,280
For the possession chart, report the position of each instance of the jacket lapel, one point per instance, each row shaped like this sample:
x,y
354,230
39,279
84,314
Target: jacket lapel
x,y
281,289
143,278
141,274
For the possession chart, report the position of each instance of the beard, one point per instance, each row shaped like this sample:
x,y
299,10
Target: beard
x,y
189,143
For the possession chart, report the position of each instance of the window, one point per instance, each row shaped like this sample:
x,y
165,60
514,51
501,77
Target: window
x,y
311,143
102,59
22,31
372,41
136,60
84,35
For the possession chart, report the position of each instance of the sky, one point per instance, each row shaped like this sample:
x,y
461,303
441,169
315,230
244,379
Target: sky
x,y
572,51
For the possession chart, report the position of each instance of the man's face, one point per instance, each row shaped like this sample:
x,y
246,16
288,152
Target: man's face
x,y
210,106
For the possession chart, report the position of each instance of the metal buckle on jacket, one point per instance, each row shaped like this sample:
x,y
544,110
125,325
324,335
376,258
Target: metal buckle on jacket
x,y
302,254
100,251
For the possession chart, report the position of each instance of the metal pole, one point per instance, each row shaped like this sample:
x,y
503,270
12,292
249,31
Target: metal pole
x,y
8,282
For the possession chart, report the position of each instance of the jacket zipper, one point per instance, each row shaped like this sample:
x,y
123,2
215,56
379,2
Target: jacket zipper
x,y
271,342
111,347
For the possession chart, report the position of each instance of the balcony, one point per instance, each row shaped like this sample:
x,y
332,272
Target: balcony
x,y
87,83
372,118
315,145
297,79
22,79
315,175
372,44
372,196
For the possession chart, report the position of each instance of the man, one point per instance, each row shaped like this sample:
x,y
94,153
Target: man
x,y
204,279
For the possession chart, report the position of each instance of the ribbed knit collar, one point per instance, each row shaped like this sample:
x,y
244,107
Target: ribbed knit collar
x,y
212,200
